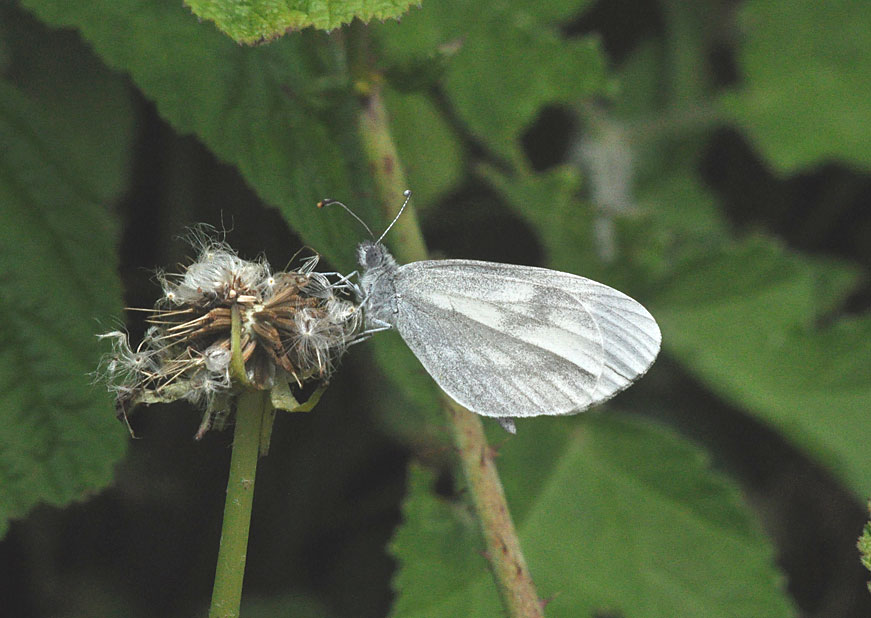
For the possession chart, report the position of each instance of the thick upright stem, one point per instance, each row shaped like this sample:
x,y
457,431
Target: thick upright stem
x,y
227,592
516,588
389,177
515,585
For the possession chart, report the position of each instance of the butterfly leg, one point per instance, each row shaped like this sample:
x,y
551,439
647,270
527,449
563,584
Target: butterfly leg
x,y
507,424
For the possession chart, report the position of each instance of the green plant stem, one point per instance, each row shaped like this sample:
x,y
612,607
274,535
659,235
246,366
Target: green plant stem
x,y
516,588
237,363
227,593
515,585
252,407
389,176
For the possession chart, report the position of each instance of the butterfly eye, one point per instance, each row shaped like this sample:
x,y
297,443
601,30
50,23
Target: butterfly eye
x,y
362,250
373,258
370,255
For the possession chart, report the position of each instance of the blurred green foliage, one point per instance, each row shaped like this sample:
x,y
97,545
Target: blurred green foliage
x,y
803,62
596,138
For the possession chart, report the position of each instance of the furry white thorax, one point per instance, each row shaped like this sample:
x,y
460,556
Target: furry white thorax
x,y
377,284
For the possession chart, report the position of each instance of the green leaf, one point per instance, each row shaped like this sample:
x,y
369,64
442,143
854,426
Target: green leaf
x,y
86,110
257,21
282,114
430,152
511,61
742,320
615,516
409,401
57,270
806,96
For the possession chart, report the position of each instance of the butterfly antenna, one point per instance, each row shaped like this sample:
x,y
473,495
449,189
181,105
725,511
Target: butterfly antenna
x,y
329,202
407,194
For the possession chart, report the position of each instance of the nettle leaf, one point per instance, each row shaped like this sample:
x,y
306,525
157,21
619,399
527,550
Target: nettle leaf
x,y
282,114
258,21
615,516
742,320
804,65
431,154
57,275
416,411
510,60
72,88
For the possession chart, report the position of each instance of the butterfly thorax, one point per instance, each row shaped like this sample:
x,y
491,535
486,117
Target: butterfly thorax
x,y
377,283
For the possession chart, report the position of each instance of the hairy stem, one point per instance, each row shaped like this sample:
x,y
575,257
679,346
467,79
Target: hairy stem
x,y
515,585
380,150
516,588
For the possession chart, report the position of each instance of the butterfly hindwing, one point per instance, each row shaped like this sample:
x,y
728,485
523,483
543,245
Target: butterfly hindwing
x,y
630,336
507,340
500,344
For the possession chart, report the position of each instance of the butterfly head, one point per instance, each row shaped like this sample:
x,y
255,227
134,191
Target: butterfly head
x,y
374,257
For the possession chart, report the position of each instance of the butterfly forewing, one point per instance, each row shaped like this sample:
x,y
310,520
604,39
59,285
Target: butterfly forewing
x,y
508,340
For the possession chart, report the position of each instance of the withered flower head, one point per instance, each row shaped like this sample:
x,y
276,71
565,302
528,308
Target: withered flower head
x,y
293,327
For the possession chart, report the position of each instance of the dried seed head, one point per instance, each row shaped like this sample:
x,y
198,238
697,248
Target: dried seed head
x,y
294,327
218,276
124,363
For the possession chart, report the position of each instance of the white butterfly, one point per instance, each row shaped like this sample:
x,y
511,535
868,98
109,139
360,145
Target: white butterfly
x,y
510,341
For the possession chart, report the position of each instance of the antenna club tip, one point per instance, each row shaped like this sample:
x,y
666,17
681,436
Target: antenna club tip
x,y
324,202
407,193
